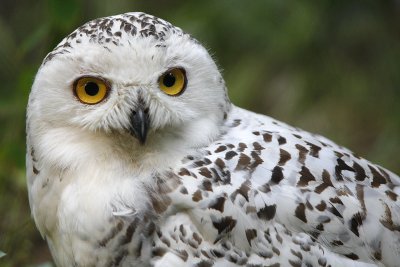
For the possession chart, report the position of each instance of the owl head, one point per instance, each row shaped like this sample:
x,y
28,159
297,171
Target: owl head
x,y
132,80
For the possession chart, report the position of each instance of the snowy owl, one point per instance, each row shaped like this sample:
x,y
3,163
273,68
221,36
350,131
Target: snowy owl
x,y
136,157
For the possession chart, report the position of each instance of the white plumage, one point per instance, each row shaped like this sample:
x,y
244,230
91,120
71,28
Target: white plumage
x,y
136,157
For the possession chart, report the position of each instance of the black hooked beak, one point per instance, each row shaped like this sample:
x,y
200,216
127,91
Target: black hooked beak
x,y
139,123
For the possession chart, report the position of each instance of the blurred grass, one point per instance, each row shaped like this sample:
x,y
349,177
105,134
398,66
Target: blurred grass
x,y
330,67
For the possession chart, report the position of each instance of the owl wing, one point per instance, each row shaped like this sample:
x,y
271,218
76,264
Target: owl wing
x,y
266,193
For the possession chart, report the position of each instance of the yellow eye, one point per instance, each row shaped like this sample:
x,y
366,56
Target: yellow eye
x,y
91,90
173,82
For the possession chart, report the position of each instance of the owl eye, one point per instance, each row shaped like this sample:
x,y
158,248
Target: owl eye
x,y
173,82
91,90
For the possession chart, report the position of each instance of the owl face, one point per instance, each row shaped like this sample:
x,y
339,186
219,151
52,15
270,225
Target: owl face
x,y
142,85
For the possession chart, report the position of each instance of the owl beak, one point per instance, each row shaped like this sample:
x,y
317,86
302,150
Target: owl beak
x,y
139,124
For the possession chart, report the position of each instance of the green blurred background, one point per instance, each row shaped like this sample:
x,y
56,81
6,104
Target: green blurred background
x,y
330,67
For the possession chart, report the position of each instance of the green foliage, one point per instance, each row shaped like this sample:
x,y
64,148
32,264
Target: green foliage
x,y
330,67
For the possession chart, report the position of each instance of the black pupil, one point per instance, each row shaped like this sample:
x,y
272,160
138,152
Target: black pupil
x,y
169,80
91,88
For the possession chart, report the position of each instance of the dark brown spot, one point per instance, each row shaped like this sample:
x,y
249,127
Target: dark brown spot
x,y
305,247
199,163
230,154
305,177
220,149
336,243
242,147
197,196
392,195
207,185
257,146
277,175
204,263
297,136
250,235
355,222
184,190
302,153
217,253
267,212
387,220
277,252
295,263
278,237
182,230
193,243
220,163
35,171
321,206
158,252
265,254
284,157
297,254
336,200
218,204
267,137
378,179
243,162
183,172
386,175
281,140
341,166
326,182
205,172
300,212
314,149
224,224
338,154
322,262
257,160
360,172
352,256
197,238
243,190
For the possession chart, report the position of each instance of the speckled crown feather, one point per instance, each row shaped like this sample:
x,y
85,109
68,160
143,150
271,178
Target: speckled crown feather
x,y
109,31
